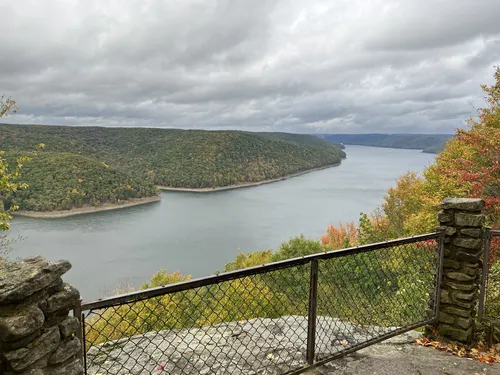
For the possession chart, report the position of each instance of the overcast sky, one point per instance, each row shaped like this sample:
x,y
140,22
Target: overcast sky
x,y
330,66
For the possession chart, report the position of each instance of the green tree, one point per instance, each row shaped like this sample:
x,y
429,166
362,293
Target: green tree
x,y
8,183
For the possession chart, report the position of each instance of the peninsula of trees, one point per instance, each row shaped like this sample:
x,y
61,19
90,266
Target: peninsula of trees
x,y
92,166
429,143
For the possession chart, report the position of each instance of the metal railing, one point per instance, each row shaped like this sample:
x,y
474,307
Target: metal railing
x,y
489,297
279,318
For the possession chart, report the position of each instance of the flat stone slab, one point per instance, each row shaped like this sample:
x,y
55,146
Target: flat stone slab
x,y
467,204
258,346
21,279
406,359
273,347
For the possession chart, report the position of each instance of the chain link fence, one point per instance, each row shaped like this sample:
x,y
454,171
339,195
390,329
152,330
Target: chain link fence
x,y
489,299
280,318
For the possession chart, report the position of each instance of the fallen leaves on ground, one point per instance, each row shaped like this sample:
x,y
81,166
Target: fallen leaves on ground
x,y
479,352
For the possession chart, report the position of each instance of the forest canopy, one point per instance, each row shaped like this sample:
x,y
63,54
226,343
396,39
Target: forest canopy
x,y
93,165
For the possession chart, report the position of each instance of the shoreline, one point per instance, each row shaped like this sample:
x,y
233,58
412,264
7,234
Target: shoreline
x,y
246,185
86,209
141,201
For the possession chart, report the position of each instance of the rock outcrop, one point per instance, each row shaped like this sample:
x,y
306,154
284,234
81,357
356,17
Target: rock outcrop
x,y
257,346
37,336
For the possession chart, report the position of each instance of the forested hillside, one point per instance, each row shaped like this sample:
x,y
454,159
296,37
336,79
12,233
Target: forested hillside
x,y
62,181
431,143
141,157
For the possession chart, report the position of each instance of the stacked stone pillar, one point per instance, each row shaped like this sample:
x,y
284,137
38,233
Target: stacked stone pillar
x,y
37,337
462,220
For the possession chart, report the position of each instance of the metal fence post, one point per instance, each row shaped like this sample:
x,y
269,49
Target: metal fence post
x,y
439,276
77,313
484,272
312,311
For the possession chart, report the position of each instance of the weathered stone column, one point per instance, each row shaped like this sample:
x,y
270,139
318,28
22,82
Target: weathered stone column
x,y
462,220
37,337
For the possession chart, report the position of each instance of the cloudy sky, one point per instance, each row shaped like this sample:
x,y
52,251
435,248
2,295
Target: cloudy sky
x,y
342,66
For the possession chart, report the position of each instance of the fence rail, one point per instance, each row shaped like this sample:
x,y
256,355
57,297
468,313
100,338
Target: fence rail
x,y
279,318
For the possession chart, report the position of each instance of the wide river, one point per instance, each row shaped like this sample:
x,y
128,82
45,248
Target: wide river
x,y
199,233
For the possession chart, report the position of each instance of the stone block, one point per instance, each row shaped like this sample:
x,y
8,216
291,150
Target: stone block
x,y
470,271
459,276
69,326
445,296
445,217
471,257
467,243
463,304
40,364
446,318
450,263
457,286
42,346
21,323
450,231
56,318
464,296
463,204
21,343
464,323
72,368
471,232
464,313
456,333
22,279
65,299
65,351
469,220
28,372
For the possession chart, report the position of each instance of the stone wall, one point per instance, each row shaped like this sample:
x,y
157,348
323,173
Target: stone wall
x,y
462,220
37,337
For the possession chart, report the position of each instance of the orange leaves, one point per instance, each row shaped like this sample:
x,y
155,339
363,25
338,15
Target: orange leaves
x,y
479,352
341,237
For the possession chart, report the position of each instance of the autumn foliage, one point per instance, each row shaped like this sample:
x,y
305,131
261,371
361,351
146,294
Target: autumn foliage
x,y
469,166
341,237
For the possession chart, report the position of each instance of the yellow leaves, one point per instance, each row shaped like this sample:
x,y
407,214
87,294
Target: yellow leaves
x,y
256,258
7,105
41,146
9,185
162,277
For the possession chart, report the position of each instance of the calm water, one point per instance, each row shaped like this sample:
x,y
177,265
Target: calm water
x,y
199,233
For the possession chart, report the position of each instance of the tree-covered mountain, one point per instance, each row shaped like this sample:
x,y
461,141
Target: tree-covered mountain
x,y
62,181
142,157
430,143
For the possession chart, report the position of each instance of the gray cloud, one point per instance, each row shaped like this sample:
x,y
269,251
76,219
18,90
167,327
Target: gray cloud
x,y
283,65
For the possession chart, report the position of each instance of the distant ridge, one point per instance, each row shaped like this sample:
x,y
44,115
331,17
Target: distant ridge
x,y
430,143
